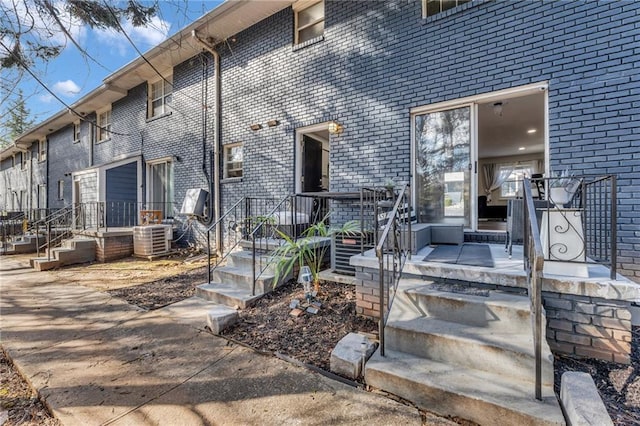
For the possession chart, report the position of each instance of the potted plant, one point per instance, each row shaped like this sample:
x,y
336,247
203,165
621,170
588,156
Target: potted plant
x,y
562,188
309,252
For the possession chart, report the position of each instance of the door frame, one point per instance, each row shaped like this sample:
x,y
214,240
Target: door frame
x,y
473,102
300,132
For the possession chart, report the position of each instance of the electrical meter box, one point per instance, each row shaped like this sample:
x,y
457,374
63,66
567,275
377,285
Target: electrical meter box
x,y
194,202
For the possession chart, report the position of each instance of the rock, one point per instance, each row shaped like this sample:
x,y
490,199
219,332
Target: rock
x,y
346,357
296,312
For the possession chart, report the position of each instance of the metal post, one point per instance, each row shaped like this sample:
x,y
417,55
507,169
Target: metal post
x,y
614,228
381,321
253,263
209,256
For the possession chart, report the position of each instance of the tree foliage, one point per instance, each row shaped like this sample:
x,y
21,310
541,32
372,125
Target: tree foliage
x,y
30,29
16,121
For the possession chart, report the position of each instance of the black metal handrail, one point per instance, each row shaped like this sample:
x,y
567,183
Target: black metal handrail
x,y
393,248
534,264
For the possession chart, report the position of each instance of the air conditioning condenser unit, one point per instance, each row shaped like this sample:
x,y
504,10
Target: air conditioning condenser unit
x,y
151,240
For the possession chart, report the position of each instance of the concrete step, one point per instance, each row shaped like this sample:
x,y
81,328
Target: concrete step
x,y
73,251
44,264
470,347
244,259
495,310
242,278
227,294
471,394
25,244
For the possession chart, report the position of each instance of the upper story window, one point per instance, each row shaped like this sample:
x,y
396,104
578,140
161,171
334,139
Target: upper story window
x,y
233,159
104,125
25,159
76,132
433,7
42,150
309,20
160,97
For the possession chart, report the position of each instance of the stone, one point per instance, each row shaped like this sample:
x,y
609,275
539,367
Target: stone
x,y
312,310
294,303
346,357
296,312
581,402
220,318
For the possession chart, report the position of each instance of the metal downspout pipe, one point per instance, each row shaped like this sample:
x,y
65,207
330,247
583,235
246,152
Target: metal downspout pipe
x,y
216,143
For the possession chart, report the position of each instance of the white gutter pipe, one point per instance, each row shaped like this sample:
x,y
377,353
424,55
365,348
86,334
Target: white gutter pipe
x,y
216,143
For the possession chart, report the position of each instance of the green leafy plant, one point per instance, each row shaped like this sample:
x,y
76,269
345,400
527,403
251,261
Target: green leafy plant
x,y
310,250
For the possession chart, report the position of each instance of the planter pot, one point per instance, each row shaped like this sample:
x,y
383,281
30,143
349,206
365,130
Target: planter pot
x,y
560,196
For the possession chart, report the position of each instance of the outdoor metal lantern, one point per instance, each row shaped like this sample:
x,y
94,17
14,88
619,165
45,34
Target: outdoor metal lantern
x,y
304,278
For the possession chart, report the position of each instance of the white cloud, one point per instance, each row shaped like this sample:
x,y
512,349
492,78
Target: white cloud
x,y
144,38
47,98
66,88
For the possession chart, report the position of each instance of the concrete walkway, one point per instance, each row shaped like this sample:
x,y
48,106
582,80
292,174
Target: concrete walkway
x,y
99,361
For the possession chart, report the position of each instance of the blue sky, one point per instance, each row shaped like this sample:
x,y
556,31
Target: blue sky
x,y
71,75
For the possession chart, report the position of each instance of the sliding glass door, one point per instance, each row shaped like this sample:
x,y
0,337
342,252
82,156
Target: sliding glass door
x,y
443,166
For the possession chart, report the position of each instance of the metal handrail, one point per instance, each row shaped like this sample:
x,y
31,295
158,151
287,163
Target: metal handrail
x,y
400,252
534,265
220,220
258,228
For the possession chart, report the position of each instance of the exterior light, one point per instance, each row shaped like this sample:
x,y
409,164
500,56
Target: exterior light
x,y
272,123
532,131
255,127
335,128
522,148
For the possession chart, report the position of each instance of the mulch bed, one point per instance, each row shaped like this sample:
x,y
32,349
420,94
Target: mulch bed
x,y
269,326
157,294
19,404
618,384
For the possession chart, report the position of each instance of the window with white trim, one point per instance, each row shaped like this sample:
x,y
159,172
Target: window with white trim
x,y
309,20
104,125
76,132
160,186
160,94
512,185
42,150
233,159
433,7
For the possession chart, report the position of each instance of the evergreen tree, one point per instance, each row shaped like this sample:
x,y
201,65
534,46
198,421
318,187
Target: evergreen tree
x,y
17,119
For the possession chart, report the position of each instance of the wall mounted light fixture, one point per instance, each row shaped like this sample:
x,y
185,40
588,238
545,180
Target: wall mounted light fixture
x,y
335,128
256,126
272,123
497,108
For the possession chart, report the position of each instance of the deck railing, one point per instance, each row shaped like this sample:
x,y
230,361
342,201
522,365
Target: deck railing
x,y
533,257
579,224
393,247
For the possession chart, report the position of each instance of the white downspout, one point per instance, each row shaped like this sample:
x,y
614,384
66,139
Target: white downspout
x,y
216,138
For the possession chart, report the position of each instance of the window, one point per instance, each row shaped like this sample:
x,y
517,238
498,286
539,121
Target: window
x,y
512,185
25,159
76,132
42,150
233,161
160,187
160,97
13,160
60,190
309,20
42,196
433,7
104,125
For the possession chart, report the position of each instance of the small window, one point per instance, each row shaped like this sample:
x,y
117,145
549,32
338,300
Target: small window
x,y
42,150
25,160
512,185
160,93
60,190
433,7
76,132
104,125
309,20
233,161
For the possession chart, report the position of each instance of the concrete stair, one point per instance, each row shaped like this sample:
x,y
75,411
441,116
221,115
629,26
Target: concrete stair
x,y
231,285
72,251
465,353
25,244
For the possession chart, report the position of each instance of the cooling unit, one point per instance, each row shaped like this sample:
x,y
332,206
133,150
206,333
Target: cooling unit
x,y
151,240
